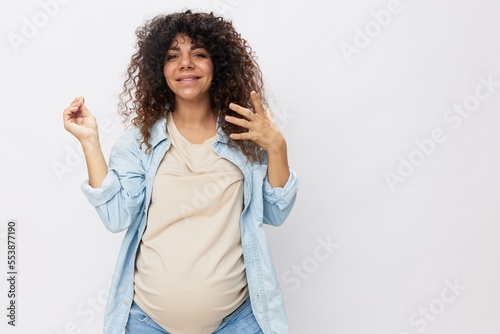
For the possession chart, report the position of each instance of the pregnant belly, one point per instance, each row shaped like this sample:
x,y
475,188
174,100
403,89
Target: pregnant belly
x,y
192,299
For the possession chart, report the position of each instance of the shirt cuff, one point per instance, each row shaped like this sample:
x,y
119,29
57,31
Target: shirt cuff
x,y
282,196
99,196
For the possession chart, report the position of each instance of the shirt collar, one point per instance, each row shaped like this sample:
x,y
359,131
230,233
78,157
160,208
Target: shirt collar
x,y
158,132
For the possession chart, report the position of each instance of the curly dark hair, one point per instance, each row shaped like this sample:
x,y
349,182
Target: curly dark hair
x,y
236,73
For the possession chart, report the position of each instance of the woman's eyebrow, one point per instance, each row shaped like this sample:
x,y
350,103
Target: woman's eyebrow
x,y
193,47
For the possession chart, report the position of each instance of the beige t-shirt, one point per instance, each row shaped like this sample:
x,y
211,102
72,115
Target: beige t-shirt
x,y
189,271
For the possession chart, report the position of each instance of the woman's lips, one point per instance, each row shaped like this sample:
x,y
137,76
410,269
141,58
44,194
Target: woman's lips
x,y
188,78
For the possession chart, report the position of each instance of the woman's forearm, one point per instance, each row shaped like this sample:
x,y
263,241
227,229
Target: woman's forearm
x,y
97,167
278,170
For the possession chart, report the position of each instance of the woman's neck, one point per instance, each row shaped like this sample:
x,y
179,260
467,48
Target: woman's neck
x,y
196,123
194,113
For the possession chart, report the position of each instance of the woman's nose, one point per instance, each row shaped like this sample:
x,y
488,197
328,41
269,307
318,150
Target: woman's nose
x,y
186,62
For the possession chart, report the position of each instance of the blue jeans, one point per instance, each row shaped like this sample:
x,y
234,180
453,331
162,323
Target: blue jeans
x,y
241,321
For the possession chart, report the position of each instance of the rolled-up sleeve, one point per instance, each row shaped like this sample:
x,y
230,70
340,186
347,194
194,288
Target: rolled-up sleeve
x,y
279,201
120,198
99,196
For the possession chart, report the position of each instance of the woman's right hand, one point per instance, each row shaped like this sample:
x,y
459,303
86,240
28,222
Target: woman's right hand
x,y
80,122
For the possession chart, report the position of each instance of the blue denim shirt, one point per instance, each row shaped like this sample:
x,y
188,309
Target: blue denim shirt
x,y
122,203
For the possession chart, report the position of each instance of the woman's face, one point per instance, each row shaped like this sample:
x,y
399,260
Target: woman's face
x,y
188,70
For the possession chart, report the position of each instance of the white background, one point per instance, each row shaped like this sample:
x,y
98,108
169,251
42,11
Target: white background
x,y
348,120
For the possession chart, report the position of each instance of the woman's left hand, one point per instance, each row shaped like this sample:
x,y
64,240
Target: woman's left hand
x,y
262,129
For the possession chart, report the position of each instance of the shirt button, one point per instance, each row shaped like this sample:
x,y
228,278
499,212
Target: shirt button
x,y
125,303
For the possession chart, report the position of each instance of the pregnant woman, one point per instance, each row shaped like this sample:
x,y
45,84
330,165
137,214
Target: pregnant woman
x,y
192,182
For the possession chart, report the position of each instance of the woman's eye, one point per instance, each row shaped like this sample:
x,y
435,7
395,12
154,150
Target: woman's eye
x,y
171,57
200,55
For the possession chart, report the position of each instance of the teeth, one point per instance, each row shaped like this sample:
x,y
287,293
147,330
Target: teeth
x,y
188,79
